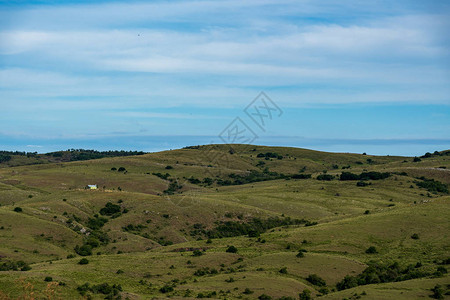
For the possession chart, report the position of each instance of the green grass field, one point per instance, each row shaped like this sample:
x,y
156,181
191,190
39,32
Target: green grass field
x,y
168,235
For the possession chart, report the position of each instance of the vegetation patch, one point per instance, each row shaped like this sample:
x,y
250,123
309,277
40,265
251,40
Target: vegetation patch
x,y
379,273
111,291
432,185
364,176
14,266
252,227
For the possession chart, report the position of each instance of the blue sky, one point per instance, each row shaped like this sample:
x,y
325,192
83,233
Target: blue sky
x,y
354,77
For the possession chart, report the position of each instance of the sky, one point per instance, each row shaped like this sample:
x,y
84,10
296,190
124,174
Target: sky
x,y
340,76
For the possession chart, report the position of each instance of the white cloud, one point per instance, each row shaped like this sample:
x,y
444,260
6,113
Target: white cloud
x,y
128,52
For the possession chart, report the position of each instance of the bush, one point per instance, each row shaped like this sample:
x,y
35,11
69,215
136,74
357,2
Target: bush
x,y
121,169
48,279
264,297
301,176
440,271
371,250
17,209
438,292
415,236
432,185
305,295
283,270
316,280
110,209
169,167
197,253
4,158
325,177
84,250
364,176
347,283
166,289
248,291
26,267
254,226
416,159
362,183
300,254
83,261
162,176
374,175
96,223
232,249
381,273
348,176
103,288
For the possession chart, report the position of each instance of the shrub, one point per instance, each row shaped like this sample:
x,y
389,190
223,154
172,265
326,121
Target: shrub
x,y
25,267
415,236
110,209
14,266
325,177
374,175
172,188
232,249
305,295
197,253
380,273
4,158
440,271
264,297
347,283
17,209
48,279
348,176
432,185
96,223
248,291
103,288
362,183
301,176
169,167
166,289
162,176
283,270
416,159
300,254
438,292
255,225
371,250
83,261
84,250
113,169
316,280
121,169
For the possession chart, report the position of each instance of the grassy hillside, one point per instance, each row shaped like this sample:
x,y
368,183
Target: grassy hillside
x,y
161,225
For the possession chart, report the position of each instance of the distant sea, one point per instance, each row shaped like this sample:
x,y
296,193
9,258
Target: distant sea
x,y
404,147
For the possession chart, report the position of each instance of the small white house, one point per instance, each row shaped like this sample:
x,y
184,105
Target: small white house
x,y
92,186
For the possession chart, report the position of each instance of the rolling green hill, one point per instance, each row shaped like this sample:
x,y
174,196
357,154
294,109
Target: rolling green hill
x,y
161,225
